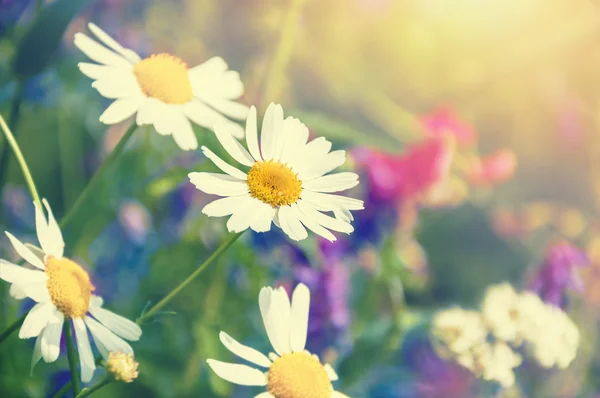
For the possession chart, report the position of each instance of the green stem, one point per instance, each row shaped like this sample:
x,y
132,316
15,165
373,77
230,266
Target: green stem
x,y
13,327
72,357
64,389
39,5
272,80
21,160
158,306
15,113
88,391
97,178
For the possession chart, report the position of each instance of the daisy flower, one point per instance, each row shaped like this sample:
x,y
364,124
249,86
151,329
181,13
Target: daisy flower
x,y
63,292
161,89
286,181
292,371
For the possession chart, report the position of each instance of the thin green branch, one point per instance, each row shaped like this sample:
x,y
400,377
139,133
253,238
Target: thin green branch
x,y
21,160
16,324
88,391
13,121
63,390
224,246
72,357
97,178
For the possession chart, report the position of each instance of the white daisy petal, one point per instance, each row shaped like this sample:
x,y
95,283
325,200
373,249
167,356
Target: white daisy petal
x,y
120,110
96,301
330,372
299,317
343,214
242,217
24,252
37,291
271,128
323,219
264,214
86,357
119,86
232,146
106,339
332,182
234,110
100,53
317,149
37,251
204,116
289,219
13,273
182,131
265,394
50,344
297,136
36,320
317,228
239,374
280,311
329,202
244,352
212,79
97,72
252,135
218,184
55,244
266,299
325,164
221,164
337,394
149,108
225,206
121,326
17,292
130,55
37,353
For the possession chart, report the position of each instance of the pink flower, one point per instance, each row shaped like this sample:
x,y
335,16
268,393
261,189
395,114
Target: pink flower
x,y
493,169
445,121
410,175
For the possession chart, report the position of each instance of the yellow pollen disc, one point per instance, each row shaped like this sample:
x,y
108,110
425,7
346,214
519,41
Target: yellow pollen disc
x,y
274,183
164,77
69,287
298,375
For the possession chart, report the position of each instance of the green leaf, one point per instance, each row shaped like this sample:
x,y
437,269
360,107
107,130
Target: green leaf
x,y
39,44
337,130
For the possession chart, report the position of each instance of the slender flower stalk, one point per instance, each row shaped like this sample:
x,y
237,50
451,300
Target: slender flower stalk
x,y
110,159
89,391
73,358
160,305
16,324
63,390
283,51
21,160
15,113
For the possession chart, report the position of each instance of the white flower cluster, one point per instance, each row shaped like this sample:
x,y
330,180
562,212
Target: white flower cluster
x,y
486,341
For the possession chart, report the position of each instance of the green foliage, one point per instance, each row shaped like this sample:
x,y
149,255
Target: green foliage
x,y
40,43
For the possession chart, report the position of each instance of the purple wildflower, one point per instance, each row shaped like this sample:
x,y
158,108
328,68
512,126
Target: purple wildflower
x,y
329,285
559,272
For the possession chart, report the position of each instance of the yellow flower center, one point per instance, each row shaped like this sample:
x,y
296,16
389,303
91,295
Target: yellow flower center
x,y
298,375
122,366
69,287
274,183
164,77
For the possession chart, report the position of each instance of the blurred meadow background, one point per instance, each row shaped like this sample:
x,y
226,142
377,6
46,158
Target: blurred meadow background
x,y
473,125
